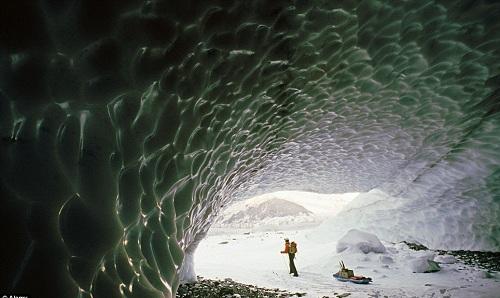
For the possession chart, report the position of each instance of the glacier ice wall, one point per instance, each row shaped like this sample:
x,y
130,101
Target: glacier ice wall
x,y
127,125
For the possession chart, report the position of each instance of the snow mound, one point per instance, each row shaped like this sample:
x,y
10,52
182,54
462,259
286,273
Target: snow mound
x,y
480,274
358,241
424,263
386,259
446,259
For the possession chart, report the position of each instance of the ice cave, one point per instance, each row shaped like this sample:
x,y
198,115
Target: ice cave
x,y
128,125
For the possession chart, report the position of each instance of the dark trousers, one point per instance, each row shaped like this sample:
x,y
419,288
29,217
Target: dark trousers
x,y
292,264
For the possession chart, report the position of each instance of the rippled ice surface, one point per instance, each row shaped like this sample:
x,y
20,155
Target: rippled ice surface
x,y
126,126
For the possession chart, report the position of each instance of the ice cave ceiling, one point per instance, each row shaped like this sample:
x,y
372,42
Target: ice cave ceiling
x,y
126,125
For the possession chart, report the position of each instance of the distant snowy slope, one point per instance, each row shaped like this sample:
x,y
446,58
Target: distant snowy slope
x,y
319,204
286,210
268,209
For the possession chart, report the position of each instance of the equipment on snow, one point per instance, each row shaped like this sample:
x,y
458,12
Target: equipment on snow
x,y
345,274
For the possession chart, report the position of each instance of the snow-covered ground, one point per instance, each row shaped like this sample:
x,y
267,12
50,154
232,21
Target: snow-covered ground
x,y
255,259
252,255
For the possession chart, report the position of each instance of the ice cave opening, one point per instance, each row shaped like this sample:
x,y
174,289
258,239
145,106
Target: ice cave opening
x,y
243,251
279,213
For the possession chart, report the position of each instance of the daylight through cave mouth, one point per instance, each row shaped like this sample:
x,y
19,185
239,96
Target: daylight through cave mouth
x,y
127,125
281,210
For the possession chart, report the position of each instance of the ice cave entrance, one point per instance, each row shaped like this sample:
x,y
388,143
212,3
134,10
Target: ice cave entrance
x,y
244,245
248,235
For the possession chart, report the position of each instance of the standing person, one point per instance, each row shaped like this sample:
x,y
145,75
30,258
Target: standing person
x,y
291,249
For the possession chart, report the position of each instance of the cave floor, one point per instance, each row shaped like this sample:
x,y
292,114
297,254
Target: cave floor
x,y
254,258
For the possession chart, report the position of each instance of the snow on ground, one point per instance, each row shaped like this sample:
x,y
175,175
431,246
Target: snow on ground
x,y
254,258
251,255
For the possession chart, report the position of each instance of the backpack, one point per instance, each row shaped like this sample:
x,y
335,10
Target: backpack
x,y
293,247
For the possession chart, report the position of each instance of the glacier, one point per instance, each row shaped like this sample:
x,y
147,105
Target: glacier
x,y
127,126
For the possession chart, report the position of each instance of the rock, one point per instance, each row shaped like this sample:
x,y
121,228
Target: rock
x,y
424,264
415,245
482,259
433,267
228,288
227,291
